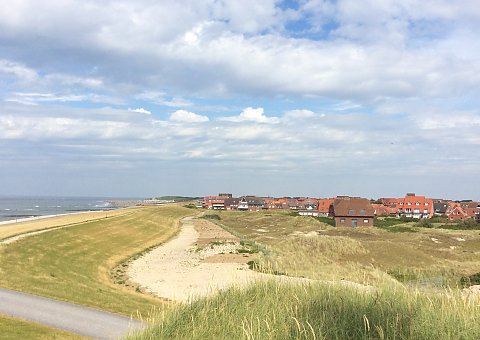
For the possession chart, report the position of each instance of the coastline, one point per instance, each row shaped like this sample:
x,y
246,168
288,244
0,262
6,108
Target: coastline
x,y
41,217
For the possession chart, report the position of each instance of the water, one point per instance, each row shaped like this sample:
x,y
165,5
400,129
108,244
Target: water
x,y
13,208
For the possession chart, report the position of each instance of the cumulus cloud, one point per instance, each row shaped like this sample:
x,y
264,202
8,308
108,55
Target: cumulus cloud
x,y
141,110
187,117
251,114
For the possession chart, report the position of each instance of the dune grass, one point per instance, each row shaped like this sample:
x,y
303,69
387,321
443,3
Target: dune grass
x,y
14,329
305,246
74,264
270,310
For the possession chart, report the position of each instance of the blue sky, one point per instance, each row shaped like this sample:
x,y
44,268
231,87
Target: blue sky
x,y
310,97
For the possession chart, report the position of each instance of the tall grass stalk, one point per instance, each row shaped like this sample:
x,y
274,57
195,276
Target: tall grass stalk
x,y
272,310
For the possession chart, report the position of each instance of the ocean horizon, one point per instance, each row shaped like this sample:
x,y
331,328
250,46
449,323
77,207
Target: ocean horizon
x,y
20,207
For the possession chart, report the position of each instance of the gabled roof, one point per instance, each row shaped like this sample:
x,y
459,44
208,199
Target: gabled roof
x,y
353,207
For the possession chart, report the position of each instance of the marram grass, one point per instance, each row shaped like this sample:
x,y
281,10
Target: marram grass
x,y
271,310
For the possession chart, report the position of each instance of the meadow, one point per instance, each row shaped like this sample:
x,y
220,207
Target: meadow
x,y
269,310
398,281
22,227
75,264
309,247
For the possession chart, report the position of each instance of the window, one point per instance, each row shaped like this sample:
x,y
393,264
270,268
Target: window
x,y
426,203
351,212
409,203
342,220
365,221
417,203
362,212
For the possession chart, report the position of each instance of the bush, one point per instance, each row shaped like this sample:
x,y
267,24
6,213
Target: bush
x,y
386,222
190,206
424,223
326,220
469,224
212,217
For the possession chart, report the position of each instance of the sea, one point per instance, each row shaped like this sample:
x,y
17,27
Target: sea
x,y
16,208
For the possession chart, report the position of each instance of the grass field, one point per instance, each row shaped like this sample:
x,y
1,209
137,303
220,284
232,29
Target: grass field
x,y
75,263
13,229
269,310
15,329
304,246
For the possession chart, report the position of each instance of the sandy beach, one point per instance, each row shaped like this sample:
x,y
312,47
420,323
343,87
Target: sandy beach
x,y
199,261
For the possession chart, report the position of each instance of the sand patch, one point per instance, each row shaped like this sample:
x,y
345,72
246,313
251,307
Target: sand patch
x,y
201,260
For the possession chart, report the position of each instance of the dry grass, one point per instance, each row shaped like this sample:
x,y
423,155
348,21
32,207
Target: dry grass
x,y
306,247
9,230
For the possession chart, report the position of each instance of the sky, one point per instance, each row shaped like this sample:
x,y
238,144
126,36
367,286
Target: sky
x,y
372,98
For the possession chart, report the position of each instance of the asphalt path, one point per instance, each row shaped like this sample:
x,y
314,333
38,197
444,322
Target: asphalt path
x,y
73,318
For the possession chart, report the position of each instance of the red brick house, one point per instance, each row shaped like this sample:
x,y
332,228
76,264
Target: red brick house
x,y
324,205
415,207
353,212
455,212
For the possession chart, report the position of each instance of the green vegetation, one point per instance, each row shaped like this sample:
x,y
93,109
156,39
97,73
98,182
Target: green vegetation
x,y
14,329
326,220
74,264
269,310
212,217
177,198
304,246
190,206
469,224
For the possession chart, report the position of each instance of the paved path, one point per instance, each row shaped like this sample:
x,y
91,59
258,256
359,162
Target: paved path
x,y
85,321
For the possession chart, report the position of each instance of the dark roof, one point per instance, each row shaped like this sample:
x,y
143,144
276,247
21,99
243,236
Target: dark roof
x,y
353,207
440,207
231,201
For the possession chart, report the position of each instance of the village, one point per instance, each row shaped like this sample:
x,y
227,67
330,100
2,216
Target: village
x,y
351,211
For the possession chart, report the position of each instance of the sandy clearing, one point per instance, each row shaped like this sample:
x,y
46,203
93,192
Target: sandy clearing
x,y
198,262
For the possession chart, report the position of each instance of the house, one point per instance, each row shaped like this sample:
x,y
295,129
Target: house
x,y
353,212
324,205
214,202
470,208
251,203
309,207
415,207
440,206
455,212
382,210
389,202
231,203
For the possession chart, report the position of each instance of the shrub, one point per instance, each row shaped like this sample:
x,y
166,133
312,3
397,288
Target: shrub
x,y
424,223
326,220
212,217
190,206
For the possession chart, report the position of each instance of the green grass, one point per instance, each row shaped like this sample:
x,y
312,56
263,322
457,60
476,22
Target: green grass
x,y
14,329
75,263
269,310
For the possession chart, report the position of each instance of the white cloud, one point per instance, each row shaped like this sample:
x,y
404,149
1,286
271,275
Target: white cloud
x,y
187,117
251,115
298,114
21,72
141,110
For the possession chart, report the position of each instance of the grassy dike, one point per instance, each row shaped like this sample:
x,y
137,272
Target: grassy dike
x,y
269,310
74,264
14,329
